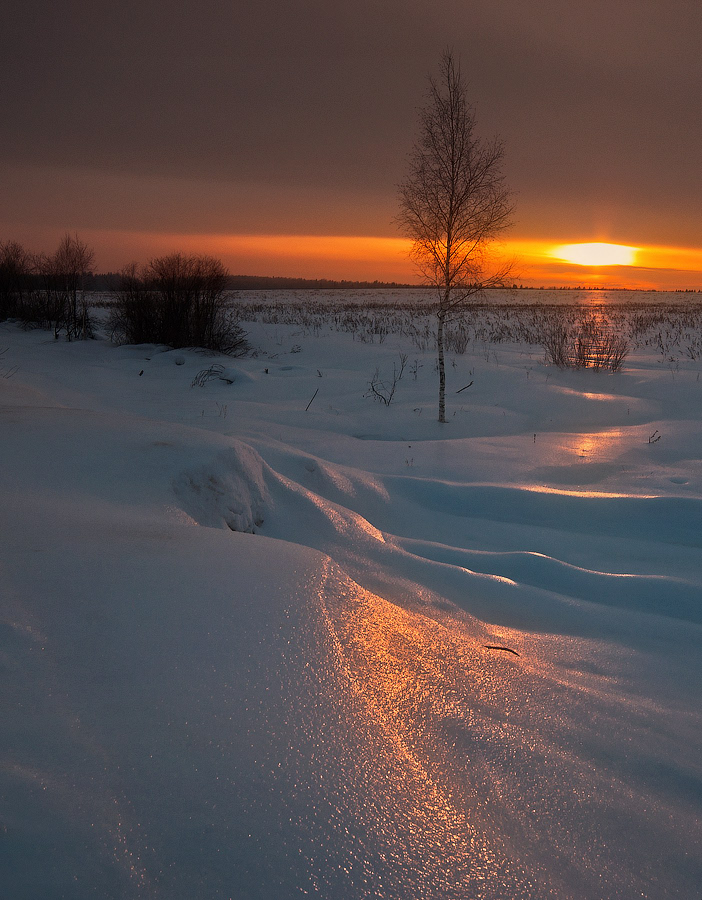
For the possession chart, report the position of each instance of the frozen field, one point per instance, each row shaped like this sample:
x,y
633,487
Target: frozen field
x,y
245,623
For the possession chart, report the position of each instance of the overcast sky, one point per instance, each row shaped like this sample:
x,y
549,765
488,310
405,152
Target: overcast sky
x,y
296,116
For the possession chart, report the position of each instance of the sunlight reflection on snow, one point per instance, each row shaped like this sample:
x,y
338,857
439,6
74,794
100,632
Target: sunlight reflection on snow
x,y
588,395
596,445
472,755
604,495
401,667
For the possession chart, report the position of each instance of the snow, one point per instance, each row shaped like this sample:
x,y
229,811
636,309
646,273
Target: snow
x,y
243,642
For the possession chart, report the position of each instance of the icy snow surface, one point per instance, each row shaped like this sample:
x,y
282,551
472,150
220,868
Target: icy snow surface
x,y
243,643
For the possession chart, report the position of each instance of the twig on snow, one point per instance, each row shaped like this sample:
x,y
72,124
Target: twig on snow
x,y
496,647
313,396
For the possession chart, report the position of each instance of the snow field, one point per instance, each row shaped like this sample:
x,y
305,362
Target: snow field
x,y
243,642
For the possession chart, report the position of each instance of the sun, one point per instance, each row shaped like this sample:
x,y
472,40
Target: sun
x,y
596,254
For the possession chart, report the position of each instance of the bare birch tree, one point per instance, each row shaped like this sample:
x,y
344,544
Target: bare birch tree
x,y
454,202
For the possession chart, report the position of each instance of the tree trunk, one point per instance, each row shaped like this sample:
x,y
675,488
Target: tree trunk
x,y
442,369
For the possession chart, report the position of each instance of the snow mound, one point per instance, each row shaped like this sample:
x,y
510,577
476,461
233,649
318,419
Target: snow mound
x,y
238,490
228,491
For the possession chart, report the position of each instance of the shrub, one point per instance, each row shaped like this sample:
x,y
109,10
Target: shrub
x,y
456,337
135,318
589,344
557,341
180,301
58,299
15,279
381,390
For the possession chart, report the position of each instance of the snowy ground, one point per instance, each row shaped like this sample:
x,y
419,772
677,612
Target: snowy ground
x,y
306,704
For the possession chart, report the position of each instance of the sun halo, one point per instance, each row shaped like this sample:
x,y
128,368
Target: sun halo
x,y
596,254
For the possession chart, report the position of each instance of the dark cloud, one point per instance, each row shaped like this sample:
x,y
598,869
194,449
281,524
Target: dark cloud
x,y
597,101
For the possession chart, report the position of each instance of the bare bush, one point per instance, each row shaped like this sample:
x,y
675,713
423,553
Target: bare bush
x,y
72,262
211,373
15,278
135,317
59,300
615,351
589,344
384,391
180,301
556,341
456,337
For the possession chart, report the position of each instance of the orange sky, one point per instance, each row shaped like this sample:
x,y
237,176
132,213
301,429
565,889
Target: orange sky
x,y
537,262
661,268
274,135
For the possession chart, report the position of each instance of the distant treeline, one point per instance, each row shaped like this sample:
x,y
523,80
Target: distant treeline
x,y
110,281
267,282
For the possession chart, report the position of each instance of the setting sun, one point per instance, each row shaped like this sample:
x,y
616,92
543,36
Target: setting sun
x,y
596,254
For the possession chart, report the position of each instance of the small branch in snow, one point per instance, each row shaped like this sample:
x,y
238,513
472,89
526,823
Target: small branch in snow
x,y
496,647
313,396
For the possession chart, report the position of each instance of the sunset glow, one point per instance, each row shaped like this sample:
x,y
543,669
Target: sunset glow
x,y
548,263
537,263
596,254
